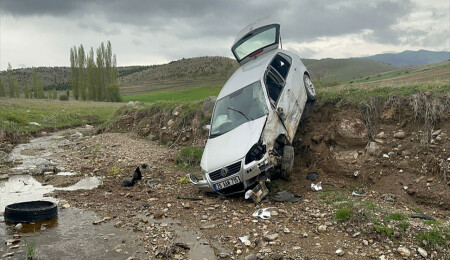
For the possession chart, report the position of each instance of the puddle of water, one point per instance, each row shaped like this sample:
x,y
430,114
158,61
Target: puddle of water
x,y
20,188
32,227
73,236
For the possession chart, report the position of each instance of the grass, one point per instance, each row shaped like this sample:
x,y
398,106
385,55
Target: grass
x,y
187,95
31,249
431,239
189,156
16,114
395,216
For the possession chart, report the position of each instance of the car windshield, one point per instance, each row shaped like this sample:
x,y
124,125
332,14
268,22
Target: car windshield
x,y
255,42
239,107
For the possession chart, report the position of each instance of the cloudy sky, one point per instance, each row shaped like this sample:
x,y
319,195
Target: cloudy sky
x,y
41,33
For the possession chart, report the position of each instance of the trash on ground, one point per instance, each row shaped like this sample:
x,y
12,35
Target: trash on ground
x,y
286,196
150,183
362,193
422,216
316,187
137,176
312,176
35,123
243,239
263,213
258,193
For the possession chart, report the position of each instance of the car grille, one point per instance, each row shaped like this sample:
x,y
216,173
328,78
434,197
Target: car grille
x,y
232,169
232,189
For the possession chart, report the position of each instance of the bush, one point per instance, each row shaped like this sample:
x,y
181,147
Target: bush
x,y
113,93
63,97
189,156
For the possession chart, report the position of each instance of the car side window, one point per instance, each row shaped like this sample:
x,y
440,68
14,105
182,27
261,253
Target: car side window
x,y
276,74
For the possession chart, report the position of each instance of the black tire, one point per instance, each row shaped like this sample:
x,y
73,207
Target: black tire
x,y
287,162
30,211
309,87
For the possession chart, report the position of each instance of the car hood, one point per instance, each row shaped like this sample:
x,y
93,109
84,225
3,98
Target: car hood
x,y
227,148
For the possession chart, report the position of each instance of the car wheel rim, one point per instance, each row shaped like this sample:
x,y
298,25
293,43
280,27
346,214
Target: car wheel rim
x,y
310,86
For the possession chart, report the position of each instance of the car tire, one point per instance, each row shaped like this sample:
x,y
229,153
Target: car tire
x,y
30,211
309,87
287,162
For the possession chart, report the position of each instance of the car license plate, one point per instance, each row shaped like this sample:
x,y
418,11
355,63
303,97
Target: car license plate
x,y
227,183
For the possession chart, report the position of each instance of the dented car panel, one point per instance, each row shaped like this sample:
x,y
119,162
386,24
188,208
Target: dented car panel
x,y
255,116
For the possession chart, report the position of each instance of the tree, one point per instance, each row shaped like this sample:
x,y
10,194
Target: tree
x,y
91,75
81,72
16,88
34,80
26,90
74,71
113,93
54,94
2,88
10,81
67,93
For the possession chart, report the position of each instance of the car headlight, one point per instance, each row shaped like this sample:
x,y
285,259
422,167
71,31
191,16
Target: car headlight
x,y
255,153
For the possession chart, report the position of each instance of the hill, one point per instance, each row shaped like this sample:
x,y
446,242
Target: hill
x,y
411,58
327,70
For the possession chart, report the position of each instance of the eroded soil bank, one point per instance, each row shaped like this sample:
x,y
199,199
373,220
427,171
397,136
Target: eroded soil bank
x,y
394,154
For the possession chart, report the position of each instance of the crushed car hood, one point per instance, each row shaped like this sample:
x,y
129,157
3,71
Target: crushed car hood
x,y
226,149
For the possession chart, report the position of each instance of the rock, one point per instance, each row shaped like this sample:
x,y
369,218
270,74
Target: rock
x,y
322,228
381,135
403,251
286,230
365,242
422,252
8,254
251,257
118,224
400,135
431,179
340,252
223,255
208,105
356,234
66,206
388,197
170,123
208,226
372,148
406,153
351,132
18,226
271,237
12,241
305,235
238,252
276,256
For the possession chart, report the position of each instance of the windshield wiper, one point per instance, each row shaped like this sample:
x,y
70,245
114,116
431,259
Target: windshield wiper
x,y
240,112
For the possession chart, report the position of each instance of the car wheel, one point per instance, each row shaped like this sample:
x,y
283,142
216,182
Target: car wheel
x,y
309,86
287,162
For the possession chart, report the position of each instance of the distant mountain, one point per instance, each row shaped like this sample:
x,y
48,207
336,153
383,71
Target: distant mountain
x,y
411,58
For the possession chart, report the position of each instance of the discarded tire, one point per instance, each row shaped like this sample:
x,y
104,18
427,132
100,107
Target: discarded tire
x,y
30,211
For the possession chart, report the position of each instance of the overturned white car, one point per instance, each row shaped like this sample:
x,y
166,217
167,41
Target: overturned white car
x,y
256,114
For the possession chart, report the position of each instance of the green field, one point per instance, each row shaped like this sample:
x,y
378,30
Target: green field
x,y
187,95
17,114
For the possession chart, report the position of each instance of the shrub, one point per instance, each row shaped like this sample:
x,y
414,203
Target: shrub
x,y
63,97
189,156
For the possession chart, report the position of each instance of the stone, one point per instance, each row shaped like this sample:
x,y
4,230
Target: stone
x,y
170,123
322,228
400,135
403,251
340,252
18,226
388,197
8,254
118,224
66,206
436,133
271,237
208,226
372,148
422,252
176,111
351,132
381,135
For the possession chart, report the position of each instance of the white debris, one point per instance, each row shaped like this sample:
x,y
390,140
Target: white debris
x,y
35,123
263,213
316,187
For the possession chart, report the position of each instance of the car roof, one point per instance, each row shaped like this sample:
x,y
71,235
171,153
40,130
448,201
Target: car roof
x,y
247,73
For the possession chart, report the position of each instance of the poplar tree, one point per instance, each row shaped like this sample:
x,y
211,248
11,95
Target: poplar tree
x,y
16,88
26,90
91,75
74,72
10,81
34,80
81,72
2,88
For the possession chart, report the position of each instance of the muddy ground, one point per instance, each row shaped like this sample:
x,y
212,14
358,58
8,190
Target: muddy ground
x,y
395,159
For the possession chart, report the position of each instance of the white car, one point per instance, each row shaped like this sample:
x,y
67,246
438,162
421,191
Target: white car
x,y
256,114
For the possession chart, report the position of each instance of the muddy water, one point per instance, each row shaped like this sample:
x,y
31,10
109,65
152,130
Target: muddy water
x,y
73,236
